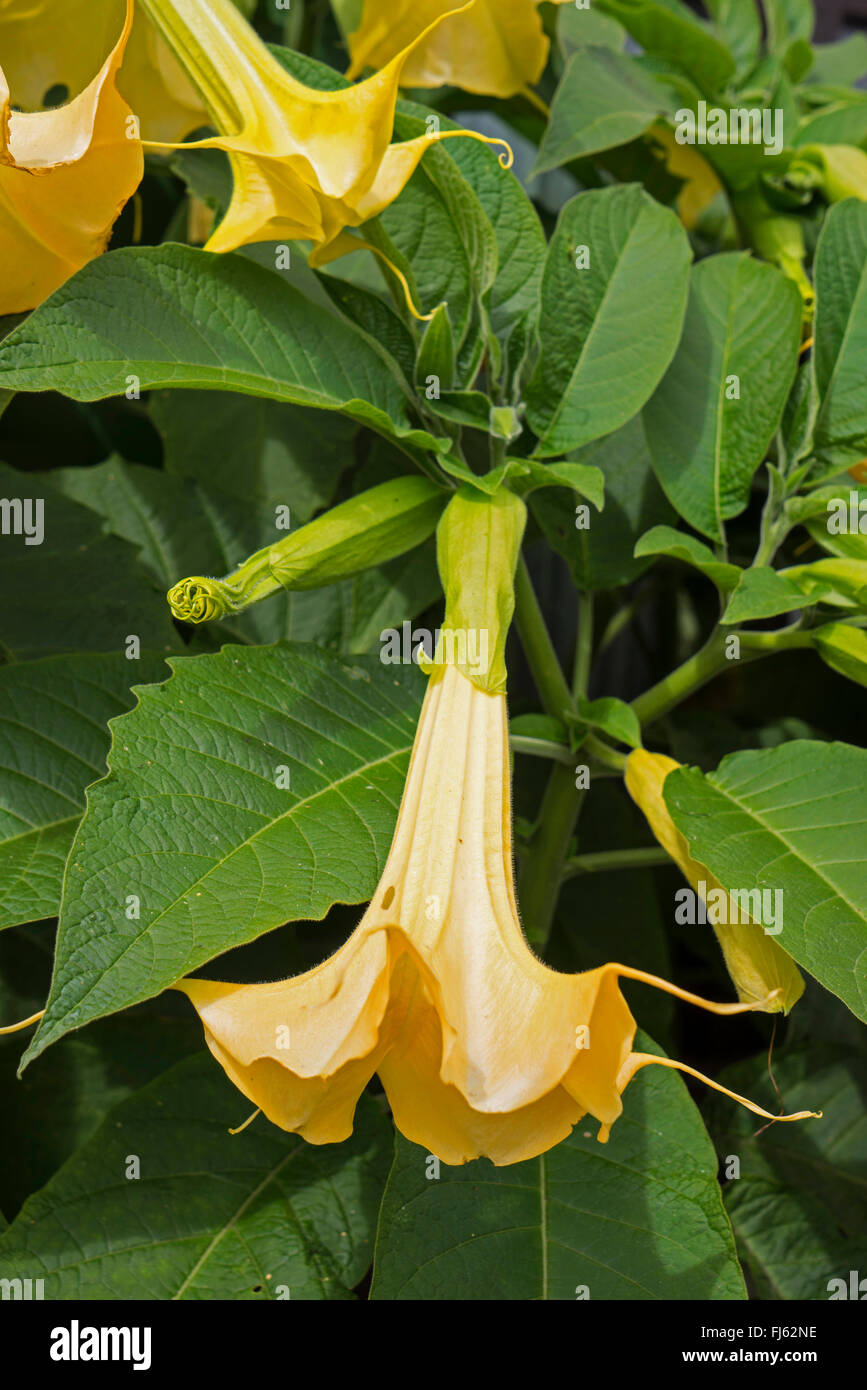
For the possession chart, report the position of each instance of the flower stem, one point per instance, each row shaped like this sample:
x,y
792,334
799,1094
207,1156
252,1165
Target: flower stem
x,y
583,645
606,861
536,641
542,870
708,661
547,854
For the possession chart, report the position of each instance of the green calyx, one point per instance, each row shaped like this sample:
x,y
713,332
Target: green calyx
x,y
366,531
478,546
836,171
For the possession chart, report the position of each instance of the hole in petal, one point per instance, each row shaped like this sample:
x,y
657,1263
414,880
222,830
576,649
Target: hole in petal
x,y
389,898
56,95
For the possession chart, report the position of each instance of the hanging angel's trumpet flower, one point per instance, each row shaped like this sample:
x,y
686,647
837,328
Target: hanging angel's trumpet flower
x,y
481,1048
494,47
763,974
65,173
307,164
367,530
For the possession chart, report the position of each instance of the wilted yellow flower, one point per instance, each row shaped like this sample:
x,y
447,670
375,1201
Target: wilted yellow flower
x,y
306,164
482,1049
65,173
495,47
758,966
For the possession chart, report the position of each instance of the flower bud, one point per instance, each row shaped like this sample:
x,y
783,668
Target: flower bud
x,y
378,525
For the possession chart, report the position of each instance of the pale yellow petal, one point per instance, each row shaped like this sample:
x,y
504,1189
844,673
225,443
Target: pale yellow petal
x,y
496,47
757,965
434,1114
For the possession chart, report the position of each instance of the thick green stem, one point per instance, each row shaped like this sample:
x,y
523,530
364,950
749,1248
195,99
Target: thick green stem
x,y
536,641
542,870
548,850
609,860
583,645
708,661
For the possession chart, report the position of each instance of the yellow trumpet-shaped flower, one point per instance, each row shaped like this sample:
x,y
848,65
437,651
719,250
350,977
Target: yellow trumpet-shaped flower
x,y
494,47
482,1049
763,974
65,175
306,164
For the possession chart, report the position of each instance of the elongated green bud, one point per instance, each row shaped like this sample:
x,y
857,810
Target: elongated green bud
x,y
478,545
368,530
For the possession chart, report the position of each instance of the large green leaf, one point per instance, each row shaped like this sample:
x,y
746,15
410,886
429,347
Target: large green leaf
x,y
638,1218
707,434
604,99
605,341
258,1215
441,229
253,450
57,1106
195,821
840,432
668,29
799,1204
78,589
600,555
679,545
174,316
791,818
53,742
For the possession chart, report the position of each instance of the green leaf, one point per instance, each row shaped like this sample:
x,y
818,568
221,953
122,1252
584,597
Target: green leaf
x,y
521,245
615,718
605,342
375,317
76,588
788,20
441,229
53,742
842,64
743,321
57,1106
842,123
668,29
526,476
764,593
193,822
639,1218
600,556
576,28
843,528
191,319
604,99
799,1207
665,540
791,818
840,435
844,649
740,23
257,453
259,1215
